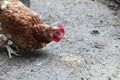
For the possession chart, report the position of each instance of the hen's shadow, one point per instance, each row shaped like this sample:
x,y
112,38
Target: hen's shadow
x,y
27,58
25,55
34,54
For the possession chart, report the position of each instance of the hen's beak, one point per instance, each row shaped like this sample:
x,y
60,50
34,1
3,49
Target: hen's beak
x,y
62,37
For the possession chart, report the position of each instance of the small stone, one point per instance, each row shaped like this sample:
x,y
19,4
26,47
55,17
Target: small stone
x,y
99,45
115,14
32,70
101,21
109,79
95,32
118,38
82,78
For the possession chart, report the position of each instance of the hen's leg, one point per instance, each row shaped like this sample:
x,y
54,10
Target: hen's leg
x,y
4,42
11,51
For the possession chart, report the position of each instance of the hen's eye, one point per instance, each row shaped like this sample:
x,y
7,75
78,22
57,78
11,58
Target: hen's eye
x,y
57,32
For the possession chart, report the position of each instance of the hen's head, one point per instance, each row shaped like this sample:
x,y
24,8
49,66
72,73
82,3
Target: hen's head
x,y
58,33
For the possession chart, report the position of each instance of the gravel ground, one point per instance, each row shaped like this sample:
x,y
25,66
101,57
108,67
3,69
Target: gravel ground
x,y
91,50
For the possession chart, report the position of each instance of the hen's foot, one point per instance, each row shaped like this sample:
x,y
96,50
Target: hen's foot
x,y
11,51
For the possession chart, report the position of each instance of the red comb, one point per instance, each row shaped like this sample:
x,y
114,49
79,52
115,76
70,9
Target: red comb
x,y
61,28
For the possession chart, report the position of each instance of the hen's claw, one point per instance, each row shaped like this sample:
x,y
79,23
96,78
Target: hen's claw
x,y
11,51
8,44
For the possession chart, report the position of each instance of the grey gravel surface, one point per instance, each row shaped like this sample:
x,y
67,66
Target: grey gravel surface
x,y
91,50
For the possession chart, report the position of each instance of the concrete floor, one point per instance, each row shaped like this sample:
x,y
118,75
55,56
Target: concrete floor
x,y
91,50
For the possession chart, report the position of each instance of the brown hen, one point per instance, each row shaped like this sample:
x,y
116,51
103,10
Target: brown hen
x,y
24,28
